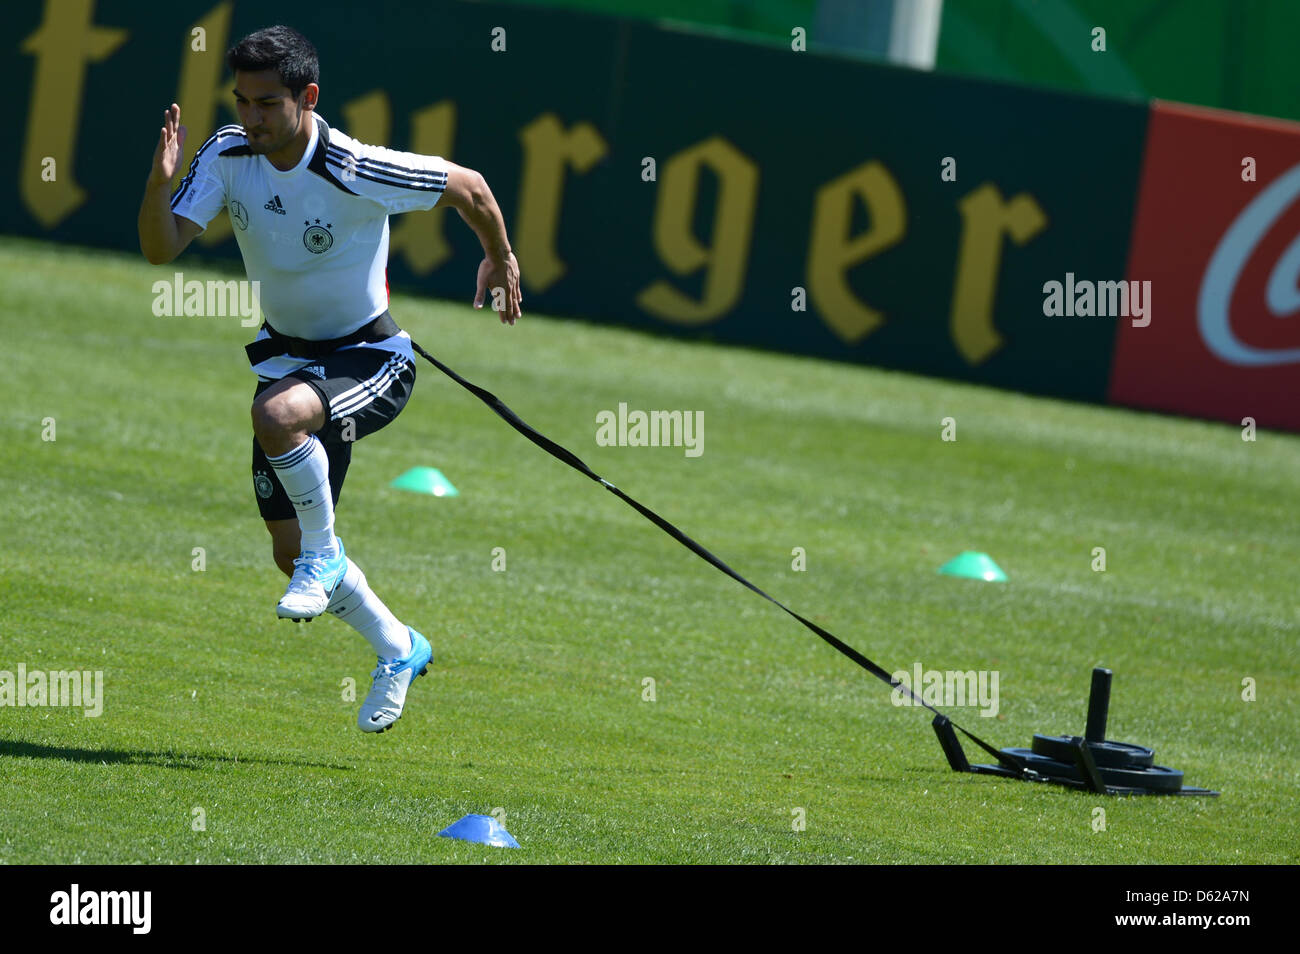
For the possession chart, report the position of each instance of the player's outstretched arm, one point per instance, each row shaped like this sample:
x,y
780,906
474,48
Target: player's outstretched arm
x,y
468,193
163,233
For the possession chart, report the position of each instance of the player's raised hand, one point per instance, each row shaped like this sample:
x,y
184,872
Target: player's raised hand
x,y
171,146
499,278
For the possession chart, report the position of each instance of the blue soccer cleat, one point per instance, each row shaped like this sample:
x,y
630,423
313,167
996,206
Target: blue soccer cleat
x,y
315,577
384,704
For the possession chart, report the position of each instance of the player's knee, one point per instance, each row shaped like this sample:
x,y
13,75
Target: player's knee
x,y
271,417
282,417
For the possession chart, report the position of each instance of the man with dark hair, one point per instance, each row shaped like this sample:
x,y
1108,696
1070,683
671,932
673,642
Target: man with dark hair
x,y
332,365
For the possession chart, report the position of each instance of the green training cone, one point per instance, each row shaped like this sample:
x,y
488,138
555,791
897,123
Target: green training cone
x,y
975,566
426,480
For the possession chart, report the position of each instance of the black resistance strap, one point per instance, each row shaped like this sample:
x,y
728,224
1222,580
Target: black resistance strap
x,y
555,450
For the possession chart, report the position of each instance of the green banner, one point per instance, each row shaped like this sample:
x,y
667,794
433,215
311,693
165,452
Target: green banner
x,y
1230,54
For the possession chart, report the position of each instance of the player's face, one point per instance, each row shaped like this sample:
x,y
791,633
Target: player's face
x,y
271,117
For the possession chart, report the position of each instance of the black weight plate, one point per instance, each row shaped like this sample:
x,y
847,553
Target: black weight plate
x,y
1155,777
1158,778
1106,754
1045,766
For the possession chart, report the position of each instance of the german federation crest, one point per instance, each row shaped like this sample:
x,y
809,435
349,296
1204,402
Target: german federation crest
x,y
317,238
262,484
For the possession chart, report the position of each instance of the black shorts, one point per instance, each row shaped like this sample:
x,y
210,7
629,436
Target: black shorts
x,y
362,390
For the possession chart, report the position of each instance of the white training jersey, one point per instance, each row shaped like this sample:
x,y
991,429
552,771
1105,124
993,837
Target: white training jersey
x,y
315,236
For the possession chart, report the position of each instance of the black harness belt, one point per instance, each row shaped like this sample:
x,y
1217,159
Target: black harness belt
x,y
377,329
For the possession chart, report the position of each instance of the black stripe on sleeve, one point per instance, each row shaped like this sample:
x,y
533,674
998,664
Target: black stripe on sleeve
x,y
379,167
416,185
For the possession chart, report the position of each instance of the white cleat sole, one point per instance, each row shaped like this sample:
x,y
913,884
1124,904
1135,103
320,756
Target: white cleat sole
x,y
297,613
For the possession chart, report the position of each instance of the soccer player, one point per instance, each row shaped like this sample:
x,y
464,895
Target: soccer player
x,y
310,208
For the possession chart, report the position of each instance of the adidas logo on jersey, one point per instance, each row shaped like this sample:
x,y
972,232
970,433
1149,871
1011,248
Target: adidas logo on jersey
x,y
275,206
317,370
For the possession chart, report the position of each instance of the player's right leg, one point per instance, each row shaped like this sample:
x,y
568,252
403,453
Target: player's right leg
x,y
304,418
292,471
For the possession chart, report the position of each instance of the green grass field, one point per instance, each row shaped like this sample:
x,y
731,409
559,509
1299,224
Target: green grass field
x,y
534,703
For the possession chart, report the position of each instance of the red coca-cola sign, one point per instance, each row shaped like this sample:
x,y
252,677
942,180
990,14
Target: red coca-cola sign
x,y
1217,233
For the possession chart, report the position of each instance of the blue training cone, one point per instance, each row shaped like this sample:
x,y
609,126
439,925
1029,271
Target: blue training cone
x,y
426,480
484,829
